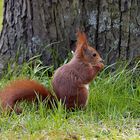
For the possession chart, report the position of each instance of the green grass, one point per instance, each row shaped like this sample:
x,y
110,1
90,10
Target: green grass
x,y
113,110
1,13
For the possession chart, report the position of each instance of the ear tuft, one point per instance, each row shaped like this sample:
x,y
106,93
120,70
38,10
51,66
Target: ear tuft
x,y
81,38
81,44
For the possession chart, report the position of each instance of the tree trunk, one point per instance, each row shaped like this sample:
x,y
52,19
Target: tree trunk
x,y
47,27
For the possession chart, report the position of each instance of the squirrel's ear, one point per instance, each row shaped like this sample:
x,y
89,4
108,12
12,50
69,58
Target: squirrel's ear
x,y
81,39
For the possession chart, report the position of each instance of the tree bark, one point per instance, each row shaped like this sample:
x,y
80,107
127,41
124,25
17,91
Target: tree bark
x,y
47,27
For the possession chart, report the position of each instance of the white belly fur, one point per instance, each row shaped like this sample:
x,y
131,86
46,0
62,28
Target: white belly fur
x,y
87,86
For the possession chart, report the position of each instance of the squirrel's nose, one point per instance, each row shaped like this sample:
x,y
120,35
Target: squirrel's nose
x,y
101,61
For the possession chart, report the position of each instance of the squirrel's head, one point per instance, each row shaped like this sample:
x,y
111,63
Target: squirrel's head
x,y
87,53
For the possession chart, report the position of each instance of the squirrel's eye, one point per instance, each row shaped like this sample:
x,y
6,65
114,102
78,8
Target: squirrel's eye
x,y
94,55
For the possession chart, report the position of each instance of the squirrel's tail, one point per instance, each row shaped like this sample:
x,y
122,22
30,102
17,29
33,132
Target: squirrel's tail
x,y
19,90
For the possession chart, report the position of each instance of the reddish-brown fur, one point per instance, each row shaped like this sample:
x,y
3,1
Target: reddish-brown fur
x,y
68,81
21,90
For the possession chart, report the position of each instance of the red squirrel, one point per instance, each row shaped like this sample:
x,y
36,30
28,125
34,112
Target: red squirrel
x,y
69,81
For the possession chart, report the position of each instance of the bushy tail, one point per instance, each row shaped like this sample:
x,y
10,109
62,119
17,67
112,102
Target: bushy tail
x,y
22,90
